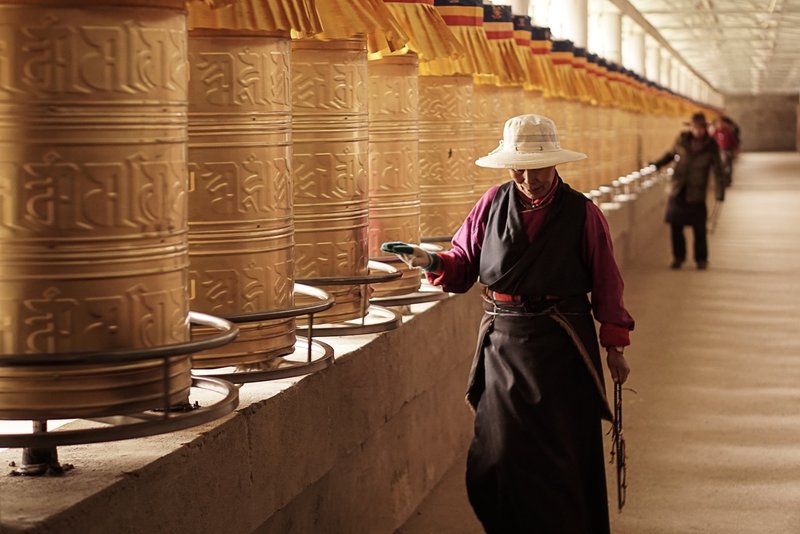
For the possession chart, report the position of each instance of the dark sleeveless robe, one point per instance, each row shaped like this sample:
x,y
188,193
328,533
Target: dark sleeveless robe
x,y
536,462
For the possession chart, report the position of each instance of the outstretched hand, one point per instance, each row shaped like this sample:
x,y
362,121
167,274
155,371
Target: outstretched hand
x,y
411,255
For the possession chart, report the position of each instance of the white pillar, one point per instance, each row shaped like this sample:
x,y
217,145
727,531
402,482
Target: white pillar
x,y
632,46
666,69
674,75
574,14
652,64
540,12
605,30
520,7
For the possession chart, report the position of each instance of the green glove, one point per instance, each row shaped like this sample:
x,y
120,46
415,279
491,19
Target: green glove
x,y
412,255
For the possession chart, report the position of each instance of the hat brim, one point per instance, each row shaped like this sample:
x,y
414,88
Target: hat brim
x,y
527,160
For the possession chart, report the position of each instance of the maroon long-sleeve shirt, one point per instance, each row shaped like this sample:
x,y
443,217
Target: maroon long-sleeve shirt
x,y
459,266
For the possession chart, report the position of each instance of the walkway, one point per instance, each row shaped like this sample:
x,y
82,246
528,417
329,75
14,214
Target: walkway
x,y
713,432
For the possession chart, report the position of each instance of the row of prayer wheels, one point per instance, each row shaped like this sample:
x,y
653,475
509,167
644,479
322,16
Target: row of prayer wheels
x,y
148,169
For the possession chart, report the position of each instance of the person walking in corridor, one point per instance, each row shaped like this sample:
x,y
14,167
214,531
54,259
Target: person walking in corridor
x,y
726,138
536,385
695,155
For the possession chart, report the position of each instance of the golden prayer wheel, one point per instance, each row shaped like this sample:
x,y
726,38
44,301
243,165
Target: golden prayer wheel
x,y
608,142
241,232
568,107
94,221
446,154
394,205
330,167
488,119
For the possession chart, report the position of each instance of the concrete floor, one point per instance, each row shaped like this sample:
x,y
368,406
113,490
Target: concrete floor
x,y
713,432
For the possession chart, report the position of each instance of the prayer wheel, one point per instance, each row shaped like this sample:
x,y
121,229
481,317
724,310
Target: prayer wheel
x,y
607,144
394,205
568,106
464,18
94,223
446,154
330,167
580,122
241,231
488,117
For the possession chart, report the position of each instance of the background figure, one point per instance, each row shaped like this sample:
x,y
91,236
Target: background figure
x,y
725,136
695,154
536,460
737,139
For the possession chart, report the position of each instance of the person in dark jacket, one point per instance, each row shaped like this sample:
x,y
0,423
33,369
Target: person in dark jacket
x,y
695,155
536,384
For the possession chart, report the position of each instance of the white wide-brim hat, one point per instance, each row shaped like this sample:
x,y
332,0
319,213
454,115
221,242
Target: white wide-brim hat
x,y
529,142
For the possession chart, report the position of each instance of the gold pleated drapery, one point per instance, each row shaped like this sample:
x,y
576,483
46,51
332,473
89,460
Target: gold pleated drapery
x,y
93,187
372,19
464,19
499,25
298,16
428,34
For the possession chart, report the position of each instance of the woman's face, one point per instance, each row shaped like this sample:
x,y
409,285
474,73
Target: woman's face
x,y
534,183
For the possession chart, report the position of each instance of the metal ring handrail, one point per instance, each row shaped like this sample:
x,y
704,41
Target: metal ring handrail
x,y
290,370
228,331
156,424
388,273
389,320
327,302
417,297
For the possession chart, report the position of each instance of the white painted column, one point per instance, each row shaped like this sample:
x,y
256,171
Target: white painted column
x,y
520,7
540,12
666,69
674,75
632,46
574,14
652,63
605,30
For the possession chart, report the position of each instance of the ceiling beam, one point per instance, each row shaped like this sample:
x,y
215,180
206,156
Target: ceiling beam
x,y
628,10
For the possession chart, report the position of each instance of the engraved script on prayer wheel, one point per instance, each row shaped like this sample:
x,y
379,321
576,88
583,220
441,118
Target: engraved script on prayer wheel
x,y
487,128
394,163
240,203
93,195
330,166
447,180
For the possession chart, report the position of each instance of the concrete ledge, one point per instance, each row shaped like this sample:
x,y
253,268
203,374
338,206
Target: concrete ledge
x,y
380,428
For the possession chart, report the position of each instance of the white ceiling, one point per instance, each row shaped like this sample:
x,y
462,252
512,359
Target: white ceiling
x,y
738,46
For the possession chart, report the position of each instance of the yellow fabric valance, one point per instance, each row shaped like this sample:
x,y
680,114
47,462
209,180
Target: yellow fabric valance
x,y
298,16
427,32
